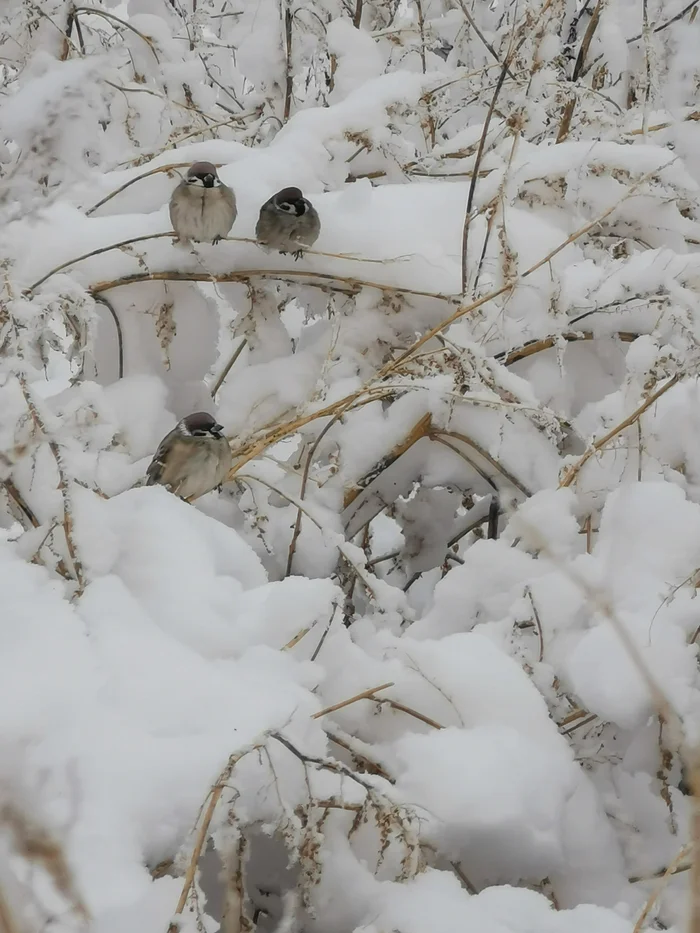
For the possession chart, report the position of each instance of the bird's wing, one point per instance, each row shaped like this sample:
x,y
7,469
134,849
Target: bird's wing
x,y
158,464
229,196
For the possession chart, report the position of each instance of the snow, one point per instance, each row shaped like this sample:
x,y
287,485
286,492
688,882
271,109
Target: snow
x,y
329,685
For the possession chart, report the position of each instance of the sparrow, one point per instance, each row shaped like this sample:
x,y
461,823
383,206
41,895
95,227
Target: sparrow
x,y
193,459
202,207
288,223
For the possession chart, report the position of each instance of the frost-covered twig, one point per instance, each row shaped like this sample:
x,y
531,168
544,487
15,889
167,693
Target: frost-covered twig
x,y
132,181
572,472
62,485
245,275
365,695
228,367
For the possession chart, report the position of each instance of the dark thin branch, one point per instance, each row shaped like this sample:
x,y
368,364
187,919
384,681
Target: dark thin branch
x,y
120,336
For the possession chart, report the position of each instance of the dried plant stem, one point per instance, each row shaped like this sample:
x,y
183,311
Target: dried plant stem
x,y
63,487
304,480
470,19
228,367
345,741
510,285
289,73
365,695
245,275
487,456
538,623
7,920
475,172
17,497
656,893
95,252
410,712
367,578
201,837
565,124
127,184
120,336
115,19
420,429
573,471
546,343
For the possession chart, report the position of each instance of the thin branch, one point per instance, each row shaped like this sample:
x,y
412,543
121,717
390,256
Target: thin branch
x,y
245,275
110,16
365,695
472,22
95,252
487,456
228,367
16,496
127,184
510,285
538,624
573,471
62,485
411,712
304,480
120,336
289,75
508,357
200,839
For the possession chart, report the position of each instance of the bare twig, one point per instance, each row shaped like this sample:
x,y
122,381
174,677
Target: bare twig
x,y
365,695
127,184
537,622
245,275
228,367
115,19
573,471
120,336
410,712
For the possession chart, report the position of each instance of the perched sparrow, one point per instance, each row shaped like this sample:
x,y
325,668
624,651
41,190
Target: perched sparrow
x,y
202,207
193,459
288,223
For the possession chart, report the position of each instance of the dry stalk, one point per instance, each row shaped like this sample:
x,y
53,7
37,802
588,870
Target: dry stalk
x,y
365,695
95,252
16,496
37,847
245,275
8,924
201,836
110,17
573,471
510,285
410,712
304,480
360,758
546,343
127,184
565,124
538,624
228,367
658,890
289,73
62,485
120,336
368,579
420,429
487,456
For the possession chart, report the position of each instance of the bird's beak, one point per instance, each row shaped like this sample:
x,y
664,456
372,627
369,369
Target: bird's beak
x,y
218,428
